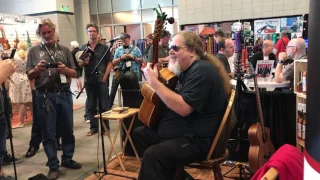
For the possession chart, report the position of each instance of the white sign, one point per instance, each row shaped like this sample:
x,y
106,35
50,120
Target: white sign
x,y
267,26
264,68
17,19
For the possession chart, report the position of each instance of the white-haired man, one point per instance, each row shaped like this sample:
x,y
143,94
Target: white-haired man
x,y
75,49
296,49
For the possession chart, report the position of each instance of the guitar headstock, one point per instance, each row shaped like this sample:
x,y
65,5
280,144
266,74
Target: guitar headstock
x,y
159,24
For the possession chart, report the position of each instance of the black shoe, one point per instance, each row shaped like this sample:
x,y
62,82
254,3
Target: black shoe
x,y
71,164
53,174
31,151
8,159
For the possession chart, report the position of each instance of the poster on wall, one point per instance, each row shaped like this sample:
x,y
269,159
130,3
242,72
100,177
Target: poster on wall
x,y
291,24
266,26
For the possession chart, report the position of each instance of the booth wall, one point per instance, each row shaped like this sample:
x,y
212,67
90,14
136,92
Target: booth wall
x,y
205,11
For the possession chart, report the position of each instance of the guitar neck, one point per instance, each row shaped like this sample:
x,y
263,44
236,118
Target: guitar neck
x,y
155,58
260,114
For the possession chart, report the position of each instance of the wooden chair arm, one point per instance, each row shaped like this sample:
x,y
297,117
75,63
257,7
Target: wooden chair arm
x,y
212,162
271,174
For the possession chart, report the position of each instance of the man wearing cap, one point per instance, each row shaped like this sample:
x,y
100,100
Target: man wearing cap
x,y
127,58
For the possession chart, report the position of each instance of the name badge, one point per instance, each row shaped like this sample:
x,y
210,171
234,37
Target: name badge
x,y
63,78
128,64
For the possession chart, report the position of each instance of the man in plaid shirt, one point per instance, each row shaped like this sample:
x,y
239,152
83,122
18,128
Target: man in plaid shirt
x,y
127,58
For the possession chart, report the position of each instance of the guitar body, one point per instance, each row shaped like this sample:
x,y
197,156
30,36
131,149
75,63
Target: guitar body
x,y
152,105
260,151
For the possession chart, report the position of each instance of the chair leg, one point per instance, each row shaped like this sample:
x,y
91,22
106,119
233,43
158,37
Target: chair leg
x,y
178,173
217,172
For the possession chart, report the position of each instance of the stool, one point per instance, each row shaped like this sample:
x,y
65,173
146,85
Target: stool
x,y
109,115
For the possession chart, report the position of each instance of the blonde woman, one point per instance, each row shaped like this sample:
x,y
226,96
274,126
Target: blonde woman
x,y
19,89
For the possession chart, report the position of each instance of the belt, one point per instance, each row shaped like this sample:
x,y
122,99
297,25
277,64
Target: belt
x,y
55,91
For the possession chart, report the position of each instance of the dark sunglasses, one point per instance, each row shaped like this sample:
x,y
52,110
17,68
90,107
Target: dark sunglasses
x,y
176,48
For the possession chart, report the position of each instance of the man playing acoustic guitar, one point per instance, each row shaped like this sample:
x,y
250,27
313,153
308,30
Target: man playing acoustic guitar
x,y
193,114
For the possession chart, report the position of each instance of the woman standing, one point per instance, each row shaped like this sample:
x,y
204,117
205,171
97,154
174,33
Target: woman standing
x,y
19,89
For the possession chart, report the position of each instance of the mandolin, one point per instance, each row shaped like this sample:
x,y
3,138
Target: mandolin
x,y
28,40
261,147
152,105
16,41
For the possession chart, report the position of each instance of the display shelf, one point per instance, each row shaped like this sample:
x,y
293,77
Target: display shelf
x,y
300,142
299,65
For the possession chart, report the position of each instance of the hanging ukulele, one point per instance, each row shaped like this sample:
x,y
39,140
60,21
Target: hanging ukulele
x,y
16,41
152,105
4,40
28,40
261,147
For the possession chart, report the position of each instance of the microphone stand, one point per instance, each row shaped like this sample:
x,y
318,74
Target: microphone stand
x,y
96,73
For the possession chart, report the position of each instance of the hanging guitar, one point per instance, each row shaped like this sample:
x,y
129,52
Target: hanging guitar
x,y
261,147
152,105
4,40
28,40
16,41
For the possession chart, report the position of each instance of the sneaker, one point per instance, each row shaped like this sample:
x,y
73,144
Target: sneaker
x,y
6,177
8,159
87,120
53,174
71,164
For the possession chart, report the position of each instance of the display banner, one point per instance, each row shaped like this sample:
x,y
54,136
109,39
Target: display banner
x,y
312,142
17,19
267,26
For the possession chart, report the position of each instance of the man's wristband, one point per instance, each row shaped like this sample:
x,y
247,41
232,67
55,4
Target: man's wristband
x,y
280,62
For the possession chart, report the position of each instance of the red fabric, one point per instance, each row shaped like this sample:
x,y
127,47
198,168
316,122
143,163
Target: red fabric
x,y
288,161
280,46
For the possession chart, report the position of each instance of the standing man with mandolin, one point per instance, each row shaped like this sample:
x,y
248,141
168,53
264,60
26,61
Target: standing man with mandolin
x,y
193,114
101,81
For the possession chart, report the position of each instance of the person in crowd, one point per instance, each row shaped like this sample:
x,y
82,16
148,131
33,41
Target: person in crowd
x,y
149,41
281,43
75,49
163,48
7,69
192,116
100,81
218,35
296,49
19,87
226,50
258,45
52,67
126,58
265,54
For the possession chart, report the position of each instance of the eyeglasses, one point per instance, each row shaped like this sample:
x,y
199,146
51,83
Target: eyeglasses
x,y
176,48
289,46
92,31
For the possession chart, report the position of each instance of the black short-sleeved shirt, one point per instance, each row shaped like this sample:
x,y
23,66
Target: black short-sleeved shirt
x,y
202,88
61,54
99,51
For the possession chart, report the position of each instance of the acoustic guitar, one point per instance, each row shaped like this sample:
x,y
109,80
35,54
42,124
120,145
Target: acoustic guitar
x,y
152,105
16,41
28,40
261,147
